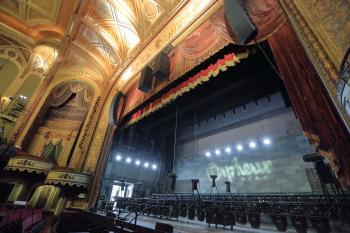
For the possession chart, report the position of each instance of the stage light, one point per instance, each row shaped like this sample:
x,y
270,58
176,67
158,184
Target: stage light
x,y
208,154
267,141
252,145
118,157
138,162
228,149
239,147
217,152
146,165
128,160
154,166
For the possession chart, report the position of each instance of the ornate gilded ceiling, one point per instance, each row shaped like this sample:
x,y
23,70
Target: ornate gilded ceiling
x,y
32,12
114,31
106,38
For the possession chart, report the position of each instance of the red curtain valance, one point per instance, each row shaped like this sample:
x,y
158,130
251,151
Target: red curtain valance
x,y
205,75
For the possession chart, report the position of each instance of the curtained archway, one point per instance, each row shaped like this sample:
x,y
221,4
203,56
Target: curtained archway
x,y
57,126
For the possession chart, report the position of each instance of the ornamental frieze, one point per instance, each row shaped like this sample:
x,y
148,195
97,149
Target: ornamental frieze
x,y
29,164
62,177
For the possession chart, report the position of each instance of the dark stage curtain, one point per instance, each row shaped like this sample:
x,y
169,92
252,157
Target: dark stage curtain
x,y
314,108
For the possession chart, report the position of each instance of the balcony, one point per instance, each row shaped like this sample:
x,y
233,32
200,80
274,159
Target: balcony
x,y
67,177
24,162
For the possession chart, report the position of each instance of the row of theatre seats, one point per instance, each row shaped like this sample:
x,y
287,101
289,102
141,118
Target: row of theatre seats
x,y
20,219
299,211
80,221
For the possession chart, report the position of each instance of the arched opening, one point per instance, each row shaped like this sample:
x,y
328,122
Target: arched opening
x,y
29,86
45,197
58,125
8,73
19,101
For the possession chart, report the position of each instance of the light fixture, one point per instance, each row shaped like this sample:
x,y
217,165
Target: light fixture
x,y
128,160
154,166
217,152
239,147
228,149
137,162
252,145
127,74
23,97
208,154
267,141
118,157
146,165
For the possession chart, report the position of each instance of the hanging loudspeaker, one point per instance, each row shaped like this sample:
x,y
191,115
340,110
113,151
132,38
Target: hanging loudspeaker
x,y
145,83
161,66
239,21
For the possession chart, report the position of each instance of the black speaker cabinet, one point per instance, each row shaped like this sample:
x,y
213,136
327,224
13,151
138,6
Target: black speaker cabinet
x,y
239,21
146,79
161,66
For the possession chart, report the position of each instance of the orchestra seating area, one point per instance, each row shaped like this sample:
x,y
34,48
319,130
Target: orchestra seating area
x,y
299,212
20,219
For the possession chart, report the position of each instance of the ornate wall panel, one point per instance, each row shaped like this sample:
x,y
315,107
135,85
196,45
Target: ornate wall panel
x,y
29,164
315,23
330,21
33,12
68,107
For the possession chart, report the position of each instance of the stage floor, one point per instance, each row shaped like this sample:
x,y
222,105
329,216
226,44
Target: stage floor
x,y
188,226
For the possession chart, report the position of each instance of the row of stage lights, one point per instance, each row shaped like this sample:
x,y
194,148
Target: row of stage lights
x,y
128,160
239,147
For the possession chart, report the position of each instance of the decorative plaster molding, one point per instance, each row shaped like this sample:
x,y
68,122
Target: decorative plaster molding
x,y
31,164
317,54
67,177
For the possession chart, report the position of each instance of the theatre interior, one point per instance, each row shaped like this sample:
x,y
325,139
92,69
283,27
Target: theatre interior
x,y
174,116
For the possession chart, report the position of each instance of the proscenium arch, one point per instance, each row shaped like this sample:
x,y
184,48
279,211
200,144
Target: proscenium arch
x,y
113,116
